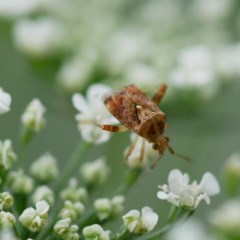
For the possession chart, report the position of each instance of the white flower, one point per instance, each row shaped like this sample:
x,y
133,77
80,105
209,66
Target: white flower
x,y
183,194
43,193
7,220
33,116
5,101
95,172
95,231
195,71
141,154
46,34
227,217
7,155
66,231
35,219
139,223
45,168
92,112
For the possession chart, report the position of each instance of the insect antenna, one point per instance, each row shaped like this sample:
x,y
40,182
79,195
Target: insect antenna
x,y
170,149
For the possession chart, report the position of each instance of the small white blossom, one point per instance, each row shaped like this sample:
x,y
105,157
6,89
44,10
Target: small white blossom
x,y
7,155
92,111
43,193
72,210
7,220
45,168
139,223
33,116
6,200
66,231
35,219
141,154
117,205
227,217
95,231
195,71
19,182
74,193
46,34
5,101
183,194
95,172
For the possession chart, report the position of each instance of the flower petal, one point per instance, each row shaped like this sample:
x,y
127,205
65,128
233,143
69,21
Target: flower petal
x,y
209,184
80,103
162,195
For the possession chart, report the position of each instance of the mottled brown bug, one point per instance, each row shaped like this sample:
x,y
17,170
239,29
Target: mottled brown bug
x,y
140,114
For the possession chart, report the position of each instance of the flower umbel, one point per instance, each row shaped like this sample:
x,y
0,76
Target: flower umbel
x,y
183,194
139,223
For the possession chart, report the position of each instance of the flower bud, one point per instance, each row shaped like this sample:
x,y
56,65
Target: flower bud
x,y
45,168
33,116
95,231
72,210
66,231
43,193
6,200
19,182
7,155
74,193
103,208
139,223
35,219
95,172
6,220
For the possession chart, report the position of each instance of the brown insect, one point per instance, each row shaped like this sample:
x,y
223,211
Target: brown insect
x,y
140,114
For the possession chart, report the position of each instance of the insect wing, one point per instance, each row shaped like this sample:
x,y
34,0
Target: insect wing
x,y
123,108
139,98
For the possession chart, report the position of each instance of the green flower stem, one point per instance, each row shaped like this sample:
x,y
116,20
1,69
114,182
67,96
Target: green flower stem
x,y
90,219
70,168
125,234
72,164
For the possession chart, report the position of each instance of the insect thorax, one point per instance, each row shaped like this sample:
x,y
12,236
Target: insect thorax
x,y
152,127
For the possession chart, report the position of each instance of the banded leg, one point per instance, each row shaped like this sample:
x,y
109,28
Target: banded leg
x,y
113,128
159,94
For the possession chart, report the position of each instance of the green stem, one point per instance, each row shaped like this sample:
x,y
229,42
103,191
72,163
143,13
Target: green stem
x,y
72,164
125,234
70,168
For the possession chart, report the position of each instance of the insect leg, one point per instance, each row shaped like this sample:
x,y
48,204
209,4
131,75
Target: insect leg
x,y
142,150
131,148
159,94
113,128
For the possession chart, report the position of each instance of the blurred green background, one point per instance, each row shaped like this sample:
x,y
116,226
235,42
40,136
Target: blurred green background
x,y
208,133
